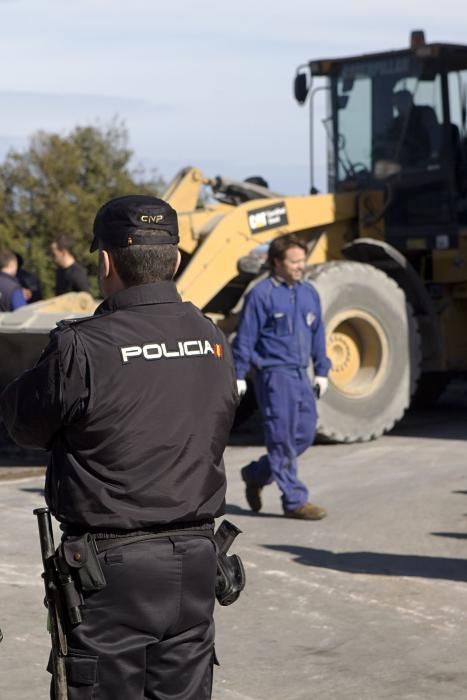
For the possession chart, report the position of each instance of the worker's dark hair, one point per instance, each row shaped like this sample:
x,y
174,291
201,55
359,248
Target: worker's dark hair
x,y
281,245
64,242
145,264
6,256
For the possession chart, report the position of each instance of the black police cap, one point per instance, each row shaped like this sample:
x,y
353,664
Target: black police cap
x,y
135,219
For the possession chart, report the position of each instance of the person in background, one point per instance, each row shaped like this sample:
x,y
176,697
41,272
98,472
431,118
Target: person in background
x,y
417,130
11,293
31,285
280,331
70,276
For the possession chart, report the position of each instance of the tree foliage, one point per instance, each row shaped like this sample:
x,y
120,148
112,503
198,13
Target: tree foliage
x,y
57,185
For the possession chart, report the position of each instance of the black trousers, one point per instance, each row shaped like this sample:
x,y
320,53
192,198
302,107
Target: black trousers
x,y
149,634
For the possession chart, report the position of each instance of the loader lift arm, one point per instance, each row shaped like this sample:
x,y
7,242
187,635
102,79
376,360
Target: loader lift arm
x,y
219,234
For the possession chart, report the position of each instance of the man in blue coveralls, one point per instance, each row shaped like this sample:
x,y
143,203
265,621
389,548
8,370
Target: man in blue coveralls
x,y
280,331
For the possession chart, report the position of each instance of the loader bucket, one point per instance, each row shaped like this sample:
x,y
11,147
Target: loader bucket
x,y
24,333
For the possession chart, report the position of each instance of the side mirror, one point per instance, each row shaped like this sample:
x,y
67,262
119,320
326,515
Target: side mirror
x,y
301,87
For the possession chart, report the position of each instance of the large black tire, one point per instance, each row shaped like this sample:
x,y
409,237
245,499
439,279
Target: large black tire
x,y
374,345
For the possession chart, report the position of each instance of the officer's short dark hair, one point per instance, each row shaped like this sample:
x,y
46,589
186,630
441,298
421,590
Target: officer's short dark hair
x,y
281,245
145,264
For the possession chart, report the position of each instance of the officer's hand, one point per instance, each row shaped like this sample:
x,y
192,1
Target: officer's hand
x,y
321,386
241,387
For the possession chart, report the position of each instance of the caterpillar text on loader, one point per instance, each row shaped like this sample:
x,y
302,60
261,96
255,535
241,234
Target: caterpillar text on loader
x,y
388,244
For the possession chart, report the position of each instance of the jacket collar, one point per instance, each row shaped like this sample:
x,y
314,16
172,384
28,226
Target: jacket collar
x,y
278,281
157,293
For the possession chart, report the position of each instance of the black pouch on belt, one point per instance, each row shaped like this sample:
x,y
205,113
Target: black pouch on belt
x,y
80,554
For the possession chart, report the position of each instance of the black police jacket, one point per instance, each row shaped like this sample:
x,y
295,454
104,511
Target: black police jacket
x,y
135,404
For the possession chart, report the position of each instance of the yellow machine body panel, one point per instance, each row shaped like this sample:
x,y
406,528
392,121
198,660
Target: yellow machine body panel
x,y
234,236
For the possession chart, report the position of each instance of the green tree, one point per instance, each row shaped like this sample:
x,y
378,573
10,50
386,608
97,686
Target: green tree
x,y
57,185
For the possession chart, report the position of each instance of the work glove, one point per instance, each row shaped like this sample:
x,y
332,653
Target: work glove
x,y
241,387
321,386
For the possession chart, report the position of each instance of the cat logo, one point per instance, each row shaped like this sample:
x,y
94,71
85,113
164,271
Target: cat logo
x,y
185,348
151,219
268,217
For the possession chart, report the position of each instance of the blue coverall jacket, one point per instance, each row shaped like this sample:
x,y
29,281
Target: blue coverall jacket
x,y
281,326
281,330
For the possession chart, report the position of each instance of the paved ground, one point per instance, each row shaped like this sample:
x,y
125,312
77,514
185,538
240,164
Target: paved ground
x,y
368,604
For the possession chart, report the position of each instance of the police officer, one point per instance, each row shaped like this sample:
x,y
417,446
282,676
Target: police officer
x,y
135,405
280,330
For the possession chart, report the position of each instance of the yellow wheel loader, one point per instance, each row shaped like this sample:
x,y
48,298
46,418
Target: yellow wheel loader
x,y
387,245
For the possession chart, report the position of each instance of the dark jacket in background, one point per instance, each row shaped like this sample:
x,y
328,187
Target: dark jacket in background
x,y
71,279
9,287
30,281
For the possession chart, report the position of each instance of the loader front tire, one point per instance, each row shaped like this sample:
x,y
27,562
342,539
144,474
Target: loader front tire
x,y
373,343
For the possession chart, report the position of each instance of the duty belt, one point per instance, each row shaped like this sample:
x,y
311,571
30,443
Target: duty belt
x,y
107,540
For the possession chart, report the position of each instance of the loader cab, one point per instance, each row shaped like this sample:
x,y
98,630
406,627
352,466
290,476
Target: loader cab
x,y
397,122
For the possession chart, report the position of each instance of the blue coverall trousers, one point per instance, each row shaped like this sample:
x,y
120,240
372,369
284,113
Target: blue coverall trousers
x,y
288,406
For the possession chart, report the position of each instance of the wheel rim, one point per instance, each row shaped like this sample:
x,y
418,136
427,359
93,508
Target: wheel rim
x,y
358,349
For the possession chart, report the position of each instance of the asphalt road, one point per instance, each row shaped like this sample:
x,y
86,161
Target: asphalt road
x,y
368,604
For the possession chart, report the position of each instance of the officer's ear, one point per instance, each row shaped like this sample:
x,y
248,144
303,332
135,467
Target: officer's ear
x,y
105,264
179,260
109,279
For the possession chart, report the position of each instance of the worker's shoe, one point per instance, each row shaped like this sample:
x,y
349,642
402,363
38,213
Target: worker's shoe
x,y
307,511
252,491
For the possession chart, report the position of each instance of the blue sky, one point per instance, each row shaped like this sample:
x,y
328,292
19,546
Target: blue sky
x,y
206,83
